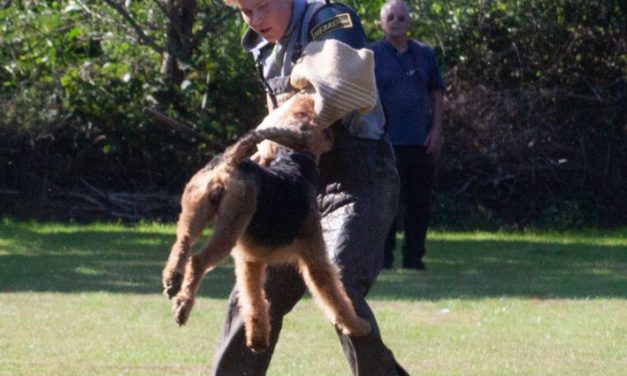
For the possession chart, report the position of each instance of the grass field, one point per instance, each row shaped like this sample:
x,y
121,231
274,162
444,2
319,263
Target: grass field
x,y
85,300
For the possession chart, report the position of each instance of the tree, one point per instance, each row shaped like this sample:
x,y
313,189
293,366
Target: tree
x,y
535,117
182,36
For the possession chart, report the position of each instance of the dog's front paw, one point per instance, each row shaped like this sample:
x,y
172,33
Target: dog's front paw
x,y
358,328
258,343
257,333
181,308
172,281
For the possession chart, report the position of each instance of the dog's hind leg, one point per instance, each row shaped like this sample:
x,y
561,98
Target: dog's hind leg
x,y
230,222
323,280
252,301
172,276
197,209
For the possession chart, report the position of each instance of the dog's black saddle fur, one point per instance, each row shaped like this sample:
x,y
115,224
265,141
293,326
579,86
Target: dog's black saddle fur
x,y
286,188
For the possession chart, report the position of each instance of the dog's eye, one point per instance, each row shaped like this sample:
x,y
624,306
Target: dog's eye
x,y
302,115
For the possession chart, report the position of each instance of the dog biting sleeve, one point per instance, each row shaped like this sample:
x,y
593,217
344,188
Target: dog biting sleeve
x,y
341,76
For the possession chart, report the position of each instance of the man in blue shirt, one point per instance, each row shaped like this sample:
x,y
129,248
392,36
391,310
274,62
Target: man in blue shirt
x,y
411,91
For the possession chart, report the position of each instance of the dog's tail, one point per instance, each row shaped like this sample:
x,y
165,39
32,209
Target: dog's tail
x,y
295,139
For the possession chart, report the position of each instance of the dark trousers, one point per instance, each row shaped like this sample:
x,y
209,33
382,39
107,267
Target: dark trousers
x,y
358,198
416,171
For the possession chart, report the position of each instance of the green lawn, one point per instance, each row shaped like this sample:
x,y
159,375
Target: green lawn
x,y
85,300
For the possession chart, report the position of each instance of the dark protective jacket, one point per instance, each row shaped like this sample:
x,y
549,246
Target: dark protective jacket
x,y
312,21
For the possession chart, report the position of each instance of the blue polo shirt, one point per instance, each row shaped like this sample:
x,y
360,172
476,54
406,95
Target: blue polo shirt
x,y
404,81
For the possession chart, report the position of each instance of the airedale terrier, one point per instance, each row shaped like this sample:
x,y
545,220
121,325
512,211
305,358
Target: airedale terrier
x,y
261,216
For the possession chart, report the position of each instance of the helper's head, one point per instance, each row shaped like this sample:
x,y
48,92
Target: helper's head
x,y
395,20
269,18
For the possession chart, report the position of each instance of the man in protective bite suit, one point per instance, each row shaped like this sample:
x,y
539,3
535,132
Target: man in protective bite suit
x,y
301,45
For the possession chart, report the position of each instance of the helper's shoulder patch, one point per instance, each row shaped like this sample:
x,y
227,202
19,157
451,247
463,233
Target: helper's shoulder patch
x,y
337,22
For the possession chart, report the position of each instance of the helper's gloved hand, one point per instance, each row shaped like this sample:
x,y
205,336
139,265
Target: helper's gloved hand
x,y
340,77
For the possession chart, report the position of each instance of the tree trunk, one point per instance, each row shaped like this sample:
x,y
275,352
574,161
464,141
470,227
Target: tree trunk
x,y
178,44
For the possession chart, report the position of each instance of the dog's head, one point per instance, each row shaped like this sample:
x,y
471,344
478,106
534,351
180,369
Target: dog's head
x,y
300,111
300,114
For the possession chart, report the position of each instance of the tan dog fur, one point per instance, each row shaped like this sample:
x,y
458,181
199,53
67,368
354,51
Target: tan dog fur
x,y
223,196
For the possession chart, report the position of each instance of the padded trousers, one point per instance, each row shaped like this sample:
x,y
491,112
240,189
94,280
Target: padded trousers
x,y
358,198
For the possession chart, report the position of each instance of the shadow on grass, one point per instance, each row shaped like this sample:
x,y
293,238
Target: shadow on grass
x,y
488,269
124,260
89,259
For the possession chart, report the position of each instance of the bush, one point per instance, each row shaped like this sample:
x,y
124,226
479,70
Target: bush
x,y
534,123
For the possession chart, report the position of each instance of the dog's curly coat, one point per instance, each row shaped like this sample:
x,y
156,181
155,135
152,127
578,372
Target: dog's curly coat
x,y
261,216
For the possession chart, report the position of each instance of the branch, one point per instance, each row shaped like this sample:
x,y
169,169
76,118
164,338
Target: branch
x,y
181,127
209,25
89,11
140,32
161,6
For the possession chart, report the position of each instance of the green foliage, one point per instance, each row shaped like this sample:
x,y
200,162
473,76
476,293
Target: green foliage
x,y
74,81
537,109
535,112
